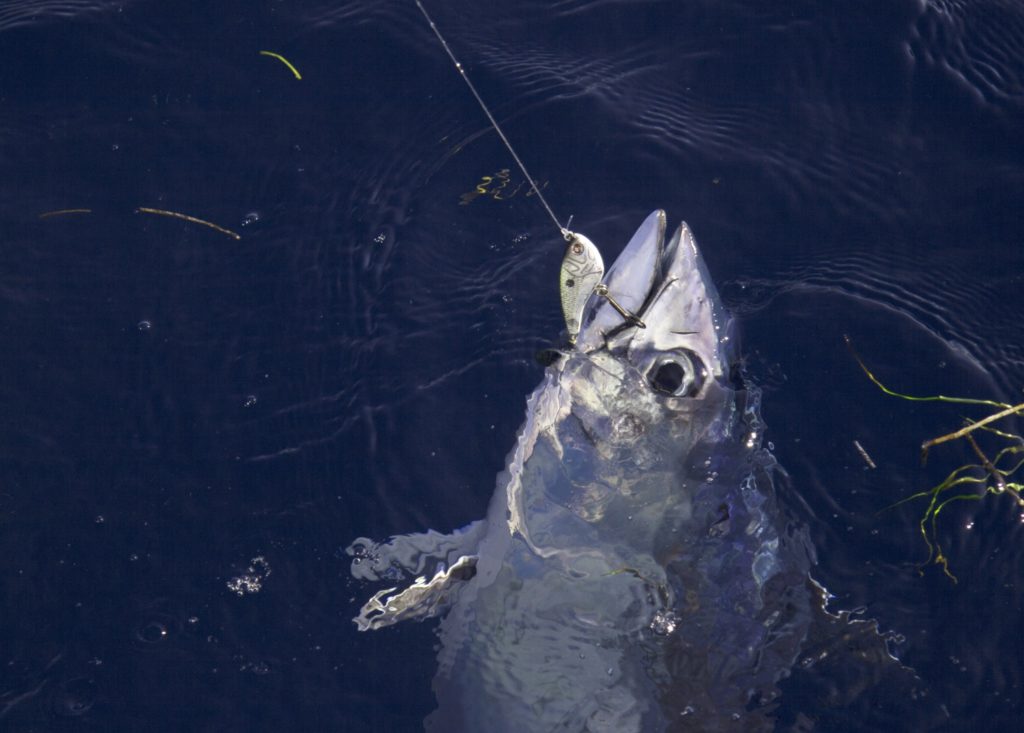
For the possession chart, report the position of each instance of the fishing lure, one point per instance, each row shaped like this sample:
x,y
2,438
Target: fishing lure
x,y
582,269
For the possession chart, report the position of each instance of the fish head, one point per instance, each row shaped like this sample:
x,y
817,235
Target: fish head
x,y
672,372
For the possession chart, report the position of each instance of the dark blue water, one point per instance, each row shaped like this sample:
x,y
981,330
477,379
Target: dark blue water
x,y
192,425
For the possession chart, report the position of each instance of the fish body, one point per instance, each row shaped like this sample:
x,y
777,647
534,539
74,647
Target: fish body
x,y
633,572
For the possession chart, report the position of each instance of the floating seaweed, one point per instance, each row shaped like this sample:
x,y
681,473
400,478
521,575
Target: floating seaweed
x,y
971,482
283,60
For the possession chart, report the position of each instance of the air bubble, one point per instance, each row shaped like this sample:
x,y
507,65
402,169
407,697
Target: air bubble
x,y
664,623
252,580
152,632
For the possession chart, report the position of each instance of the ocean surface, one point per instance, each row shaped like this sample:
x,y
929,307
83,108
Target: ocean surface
x,y
196,421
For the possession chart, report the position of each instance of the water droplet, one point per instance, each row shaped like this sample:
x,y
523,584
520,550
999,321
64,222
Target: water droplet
x,y
664,623
252,580
100,519
250,400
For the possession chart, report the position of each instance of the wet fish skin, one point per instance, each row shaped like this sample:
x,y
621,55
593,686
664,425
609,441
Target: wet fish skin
x,y
633,572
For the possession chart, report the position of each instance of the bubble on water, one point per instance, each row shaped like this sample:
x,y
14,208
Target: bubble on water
x,y
250,400
664,623
144,325
251,581
257,668
251,218
152,632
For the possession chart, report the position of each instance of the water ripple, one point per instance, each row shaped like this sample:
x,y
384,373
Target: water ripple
x,y
35,12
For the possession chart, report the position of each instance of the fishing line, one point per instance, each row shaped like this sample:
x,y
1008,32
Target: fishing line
x,y
582,267
563,230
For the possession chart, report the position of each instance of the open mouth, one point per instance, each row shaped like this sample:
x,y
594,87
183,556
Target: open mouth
x,y
667,286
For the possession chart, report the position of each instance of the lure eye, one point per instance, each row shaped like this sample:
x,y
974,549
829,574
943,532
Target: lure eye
x,y
679,374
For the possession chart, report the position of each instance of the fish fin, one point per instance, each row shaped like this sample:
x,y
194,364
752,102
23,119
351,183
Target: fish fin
x,y
447,559
423,599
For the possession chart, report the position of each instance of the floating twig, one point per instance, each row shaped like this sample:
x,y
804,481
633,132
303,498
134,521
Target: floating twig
x,y
284,61
864,454
63,212
996,476
971,427
186,217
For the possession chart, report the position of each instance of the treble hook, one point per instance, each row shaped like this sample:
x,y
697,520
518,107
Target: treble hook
x,y
581,274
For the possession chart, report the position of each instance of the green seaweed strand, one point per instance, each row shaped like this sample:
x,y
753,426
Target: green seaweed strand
x,y
967,475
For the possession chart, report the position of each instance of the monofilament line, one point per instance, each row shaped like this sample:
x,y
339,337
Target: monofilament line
x,y
494,123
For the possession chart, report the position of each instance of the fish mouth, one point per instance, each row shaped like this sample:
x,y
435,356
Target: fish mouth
x,y
667,285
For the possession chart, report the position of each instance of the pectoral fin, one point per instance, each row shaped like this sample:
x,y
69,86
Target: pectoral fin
x,y
448,560
423,599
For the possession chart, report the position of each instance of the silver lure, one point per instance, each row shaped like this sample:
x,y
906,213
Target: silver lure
x,y
580,277
581,272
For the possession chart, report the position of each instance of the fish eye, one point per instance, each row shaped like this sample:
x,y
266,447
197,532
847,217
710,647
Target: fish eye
x,y
679,374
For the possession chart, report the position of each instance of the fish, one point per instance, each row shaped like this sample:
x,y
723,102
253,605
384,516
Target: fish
x,y
634,571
